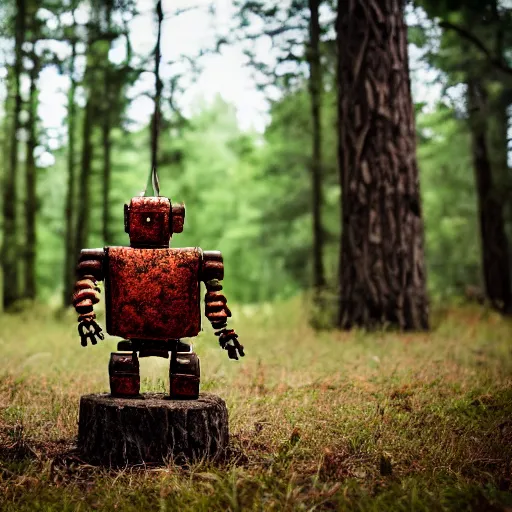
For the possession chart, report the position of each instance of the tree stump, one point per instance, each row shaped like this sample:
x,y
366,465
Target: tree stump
x,y
151,429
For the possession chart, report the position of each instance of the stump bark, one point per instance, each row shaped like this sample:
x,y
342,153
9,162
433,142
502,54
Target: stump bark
x,y
151,429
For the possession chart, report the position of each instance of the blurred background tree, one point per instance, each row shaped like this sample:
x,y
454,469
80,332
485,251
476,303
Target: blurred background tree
x,y
269,198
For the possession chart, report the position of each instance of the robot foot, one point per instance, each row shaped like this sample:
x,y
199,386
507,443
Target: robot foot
x,y
124,374
184,375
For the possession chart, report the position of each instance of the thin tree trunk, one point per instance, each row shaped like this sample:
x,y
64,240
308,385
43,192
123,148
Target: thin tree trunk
x,y
495,258
315,91
30,181
69,210
497,140
107,172
382,268
106,132
6,128
92,87
158,91
10,257
82,229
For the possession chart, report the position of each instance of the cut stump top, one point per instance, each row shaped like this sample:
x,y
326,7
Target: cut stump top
x,y
151,429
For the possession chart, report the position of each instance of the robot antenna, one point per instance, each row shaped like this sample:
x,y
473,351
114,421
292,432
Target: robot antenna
x,y
152,186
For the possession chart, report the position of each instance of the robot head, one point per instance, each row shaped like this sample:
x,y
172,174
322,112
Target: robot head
x,y
151,221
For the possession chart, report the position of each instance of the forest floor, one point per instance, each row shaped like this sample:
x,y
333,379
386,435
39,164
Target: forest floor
x,y
319,421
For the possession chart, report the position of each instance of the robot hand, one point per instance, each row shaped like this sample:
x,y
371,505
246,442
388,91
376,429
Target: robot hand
x,y
217,310
228,340
89,329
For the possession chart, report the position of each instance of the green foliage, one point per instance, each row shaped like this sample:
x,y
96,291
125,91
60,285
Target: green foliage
x,y
473,47
250,198
288,206
449,201
250,195
216,175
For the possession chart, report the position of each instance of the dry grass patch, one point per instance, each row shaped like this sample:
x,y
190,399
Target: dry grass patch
x,y
319,421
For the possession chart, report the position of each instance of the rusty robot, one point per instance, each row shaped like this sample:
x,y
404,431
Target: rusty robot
x,y
152,297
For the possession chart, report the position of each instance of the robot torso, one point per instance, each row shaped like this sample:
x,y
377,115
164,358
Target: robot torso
x,y
153,293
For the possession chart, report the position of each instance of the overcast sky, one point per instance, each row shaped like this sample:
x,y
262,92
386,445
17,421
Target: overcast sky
x,y
225,74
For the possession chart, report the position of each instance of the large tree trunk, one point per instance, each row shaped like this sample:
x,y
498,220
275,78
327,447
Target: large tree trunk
x,y
158,91
382,268
69,209
10,256
315,91
495,258
30,182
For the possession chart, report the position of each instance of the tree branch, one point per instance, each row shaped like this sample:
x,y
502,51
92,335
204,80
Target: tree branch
x,y
495,61
273,32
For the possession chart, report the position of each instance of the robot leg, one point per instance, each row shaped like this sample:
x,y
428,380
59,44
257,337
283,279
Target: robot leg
x,y
124,374
184,373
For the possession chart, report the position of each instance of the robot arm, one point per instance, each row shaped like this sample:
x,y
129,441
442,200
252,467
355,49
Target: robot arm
x,y
89,272
216,309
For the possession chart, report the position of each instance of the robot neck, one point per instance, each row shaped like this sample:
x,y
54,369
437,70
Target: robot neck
x,y
149,246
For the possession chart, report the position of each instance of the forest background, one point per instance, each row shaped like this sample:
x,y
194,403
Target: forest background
x,y
247,190
343,210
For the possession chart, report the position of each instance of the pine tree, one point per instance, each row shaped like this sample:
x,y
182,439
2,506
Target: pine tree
x,y
382,268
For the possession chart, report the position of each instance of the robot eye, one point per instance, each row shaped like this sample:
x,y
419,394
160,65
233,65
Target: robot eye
x,y
148,219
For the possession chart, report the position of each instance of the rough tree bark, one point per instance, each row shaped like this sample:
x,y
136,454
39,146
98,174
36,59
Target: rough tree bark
x,y
29,275
69,208
315,92
382,269
158,91
152,429
495,256
10,257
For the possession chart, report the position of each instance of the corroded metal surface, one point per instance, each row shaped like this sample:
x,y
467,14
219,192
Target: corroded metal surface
x,y
124,374
89,271
213,266
92,268
217,311
184,387
149,221
153,293
152,297
178,217
185,363
184,375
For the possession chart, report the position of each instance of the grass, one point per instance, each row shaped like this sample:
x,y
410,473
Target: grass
x,y
319,421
